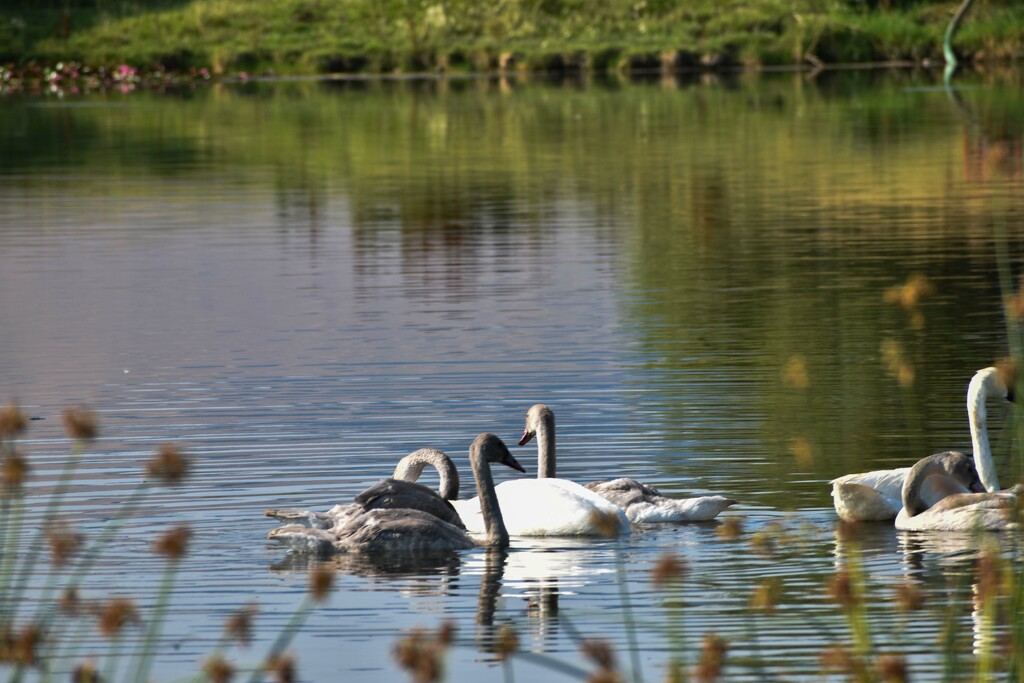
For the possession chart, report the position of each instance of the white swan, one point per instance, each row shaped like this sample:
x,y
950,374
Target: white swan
x,y
549,507
944,492
399,491
403,530
877,496
640,502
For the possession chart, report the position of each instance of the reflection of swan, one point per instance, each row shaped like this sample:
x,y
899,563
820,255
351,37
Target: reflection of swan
x,y
875,496
944,492
640,502
412,531
400,491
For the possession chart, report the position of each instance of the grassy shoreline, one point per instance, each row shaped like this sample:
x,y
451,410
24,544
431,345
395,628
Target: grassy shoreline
x,y
402,36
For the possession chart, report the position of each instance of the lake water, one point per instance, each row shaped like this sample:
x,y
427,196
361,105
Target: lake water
x,y
300,282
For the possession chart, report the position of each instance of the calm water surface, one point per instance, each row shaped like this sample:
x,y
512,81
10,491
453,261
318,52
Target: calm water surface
x,y
301,282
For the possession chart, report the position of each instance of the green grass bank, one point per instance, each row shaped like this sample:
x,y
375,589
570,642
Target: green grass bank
x,y
385,36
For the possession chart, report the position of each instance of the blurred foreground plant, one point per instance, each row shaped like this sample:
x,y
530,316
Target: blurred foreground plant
x,y
61,617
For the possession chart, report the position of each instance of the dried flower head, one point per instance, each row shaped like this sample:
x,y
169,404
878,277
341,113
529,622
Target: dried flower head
x,y
321,581
794,374
282,667
420,656
70,603
910,293
507,643
838,658
802,450
599,652
841,589
64,543
892,668
712,658
12,421
239,625
115,615
731,528
80,424
668,569
174,543
445,634
766,596
13,472
218,669
897,363
169,465
22,646
909,597
85,673
606,523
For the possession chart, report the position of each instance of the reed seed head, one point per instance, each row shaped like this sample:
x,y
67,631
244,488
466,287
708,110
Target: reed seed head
x,y
70,603
731,528
802,450
606,523
239,625
321,581
841,589
892,669
712,658
838,658
909,294
20,648
599,652
283,668
174,543
64,543
848,532
909,597
668,569
794,374
13,472
507,643
218,669
115,615
766,596
420,656
85,673
896,362
604,676
445,634
80,424
13,422
170,465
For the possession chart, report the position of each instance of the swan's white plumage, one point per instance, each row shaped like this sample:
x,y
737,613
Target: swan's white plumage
x,y
964,512
548,507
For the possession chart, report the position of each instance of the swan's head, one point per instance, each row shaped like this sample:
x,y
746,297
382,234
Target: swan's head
x,y
536,416
961,468
997,381
494,450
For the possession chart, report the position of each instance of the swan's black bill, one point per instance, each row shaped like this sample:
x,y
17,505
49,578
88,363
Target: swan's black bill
x,y
527,435
512,462
1010,396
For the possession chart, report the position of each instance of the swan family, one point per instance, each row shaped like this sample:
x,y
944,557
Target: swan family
x,y
947,491
400,514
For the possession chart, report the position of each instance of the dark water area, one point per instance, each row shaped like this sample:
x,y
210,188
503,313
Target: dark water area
x,y
300,282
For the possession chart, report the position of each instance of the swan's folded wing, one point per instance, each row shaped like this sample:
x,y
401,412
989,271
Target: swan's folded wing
x,y
869,496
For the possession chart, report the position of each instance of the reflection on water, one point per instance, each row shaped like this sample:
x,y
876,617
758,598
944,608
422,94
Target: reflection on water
x,y
302,282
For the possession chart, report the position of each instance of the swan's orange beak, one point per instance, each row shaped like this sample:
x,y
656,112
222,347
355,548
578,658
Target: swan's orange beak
x,y
512,462
527,435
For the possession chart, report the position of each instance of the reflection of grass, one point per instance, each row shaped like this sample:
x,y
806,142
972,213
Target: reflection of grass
x,y
36,642
385,35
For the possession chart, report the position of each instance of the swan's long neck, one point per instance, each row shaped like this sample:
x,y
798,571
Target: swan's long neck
x,y
494,523
933,478
978,390
411,467
546,446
